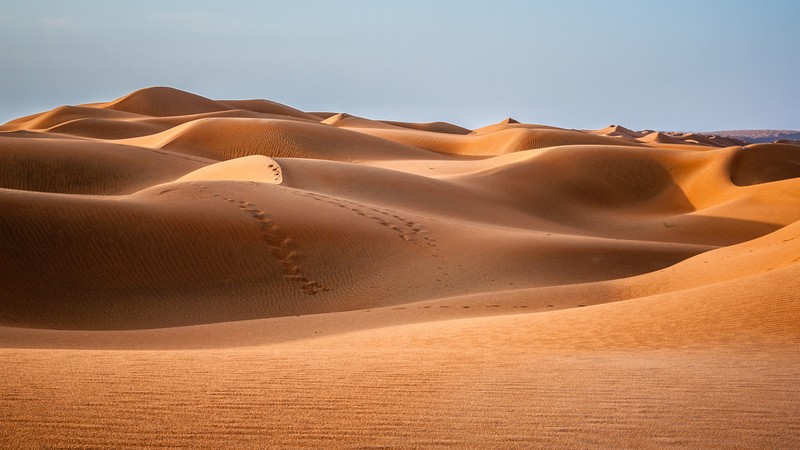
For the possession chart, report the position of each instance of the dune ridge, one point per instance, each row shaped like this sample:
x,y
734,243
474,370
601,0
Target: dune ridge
x,y
310,279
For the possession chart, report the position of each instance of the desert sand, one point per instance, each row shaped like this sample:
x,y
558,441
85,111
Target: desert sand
x,y
177,271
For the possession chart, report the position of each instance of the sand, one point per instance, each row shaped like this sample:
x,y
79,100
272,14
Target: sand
x,y
185,272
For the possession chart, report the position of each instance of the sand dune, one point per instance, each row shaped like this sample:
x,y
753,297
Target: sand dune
x,y
326,280
344,120
164,101
436,127
672,138
509,139
620,132
660,138
269,107
225,138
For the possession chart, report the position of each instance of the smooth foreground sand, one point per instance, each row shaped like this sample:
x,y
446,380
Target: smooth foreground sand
x,y
177,271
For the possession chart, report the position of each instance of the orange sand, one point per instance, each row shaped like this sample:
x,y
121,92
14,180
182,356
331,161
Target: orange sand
x,y
179,271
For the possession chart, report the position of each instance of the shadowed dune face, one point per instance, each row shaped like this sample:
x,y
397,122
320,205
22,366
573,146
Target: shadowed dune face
x,y
320,279
764,163
86,166
65,114
594,177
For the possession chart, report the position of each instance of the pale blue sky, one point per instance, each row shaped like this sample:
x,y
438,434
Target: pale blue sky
x,y
670,65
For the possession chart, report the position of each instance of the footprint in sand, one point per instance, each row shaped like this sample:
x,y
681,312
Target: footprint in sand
x,y
275,168
283,248
406,229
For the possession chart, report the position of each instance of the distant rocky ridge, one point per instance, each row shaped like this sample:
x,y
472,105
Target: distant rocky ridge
x,y
759,136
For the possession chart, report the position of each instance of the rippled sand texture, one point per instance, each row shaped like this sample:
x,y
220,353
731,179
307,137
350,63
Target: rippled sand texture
x,y
179,271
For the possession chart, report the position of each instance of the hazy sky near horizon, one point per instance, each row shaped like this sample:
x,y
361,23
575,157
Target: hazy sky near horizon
x,y
676,65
